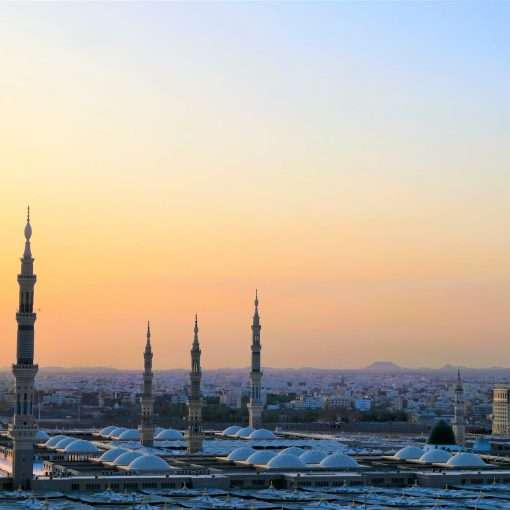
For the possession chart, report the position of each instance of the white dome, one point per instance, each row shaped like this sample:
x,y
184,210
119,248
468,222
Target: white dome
x,y
231,431
435,456
149,463
241,453
64,442
81,446
244,432
169,435
157,430
52,441
130,435
293,450
262,434
464,459
115,433
260,457
111,455
312,456
126,458
106,430
409,453
41,436
285,461
338,461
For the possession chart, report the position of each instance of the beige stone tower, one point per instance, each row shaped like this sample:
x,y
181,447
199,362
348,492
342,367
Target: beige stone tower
x,y
459,423
23,428
255,405
146,401
195,434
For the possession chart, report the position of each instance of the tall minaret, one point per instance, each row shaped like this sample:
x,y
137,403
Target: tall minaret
x,y
195,435
255,405
459,425
147,402
23,429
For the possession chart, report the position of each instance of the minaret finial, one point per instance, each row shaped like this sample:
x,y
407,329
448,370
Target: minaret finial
x,y
256,297
28,213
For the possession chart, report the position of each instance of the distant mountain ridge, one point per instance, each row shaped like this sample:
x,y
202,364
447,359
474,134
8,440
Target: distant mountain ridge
x,y
383,366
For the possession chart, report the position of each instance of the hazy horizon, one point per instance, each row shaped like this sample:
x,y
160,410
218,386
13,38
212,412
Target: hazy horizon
x,y
350,160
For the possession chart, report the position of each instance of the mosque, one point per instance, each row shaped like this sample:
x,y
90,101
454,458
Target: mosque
x,y
248,457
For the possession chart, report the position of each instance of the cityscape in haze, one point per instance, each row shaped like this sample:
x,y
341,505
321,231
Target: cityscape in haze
x,y
254,255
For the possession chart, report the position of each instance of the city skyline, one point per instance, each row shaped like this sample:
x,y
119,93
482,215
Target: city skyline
x,y
348,160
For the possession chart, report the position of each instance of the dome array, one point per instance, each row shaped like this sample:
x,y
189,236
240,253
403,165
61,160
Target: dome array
x,y
106,431
245,432
293,450
111,455
149,463
126,458
260,457
241,453
285,461
64,442
466,460
116,432
41,436
312,456
52,441
130,435
409,453
262,434
169,435
81,446
338,461
231,431
435,456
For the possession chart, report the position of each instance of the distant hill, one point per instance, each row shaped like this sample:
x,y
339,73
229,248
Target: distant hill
x,y
383,366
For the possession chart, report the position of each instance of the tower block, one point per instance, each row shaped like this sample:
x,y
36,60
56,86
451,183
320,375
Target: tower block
x,y
23,427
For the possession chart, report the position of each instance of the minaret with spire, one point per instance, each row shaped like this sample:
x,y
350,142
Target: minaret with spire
x,y
255,405
23,428
195,435
459,425
146,401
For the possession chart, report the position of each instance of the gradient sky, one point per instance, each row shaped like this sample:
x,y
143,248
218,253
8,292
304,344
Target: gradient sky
x,y
351,160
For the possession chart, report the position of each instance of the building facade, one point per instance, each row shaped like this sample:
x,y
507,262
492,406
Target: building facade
x,y
147,401
195,434
23,428
501,410
255,405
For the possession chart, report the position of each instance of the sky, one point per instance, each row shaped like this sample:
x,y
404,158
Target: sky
x,y
348,159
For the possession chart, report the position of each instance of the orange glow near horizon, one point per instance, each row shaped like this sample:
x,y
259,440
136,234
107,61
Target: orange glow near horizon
x,y
324,159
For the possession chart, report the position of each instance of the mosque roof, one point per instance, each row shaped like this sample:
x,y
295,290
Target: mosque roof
x,y
169,435
263,434
261,457
41,436
339,461
293,450
244,432
52,441
312,456
465,459
435,456
285,461
441,433
126,458
149,463
64,442
130,435
232,430
111,455
81,446
241,453
409,453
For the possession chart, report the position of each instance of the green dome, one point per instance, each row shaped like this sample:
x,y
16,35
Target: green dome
x,y
441,433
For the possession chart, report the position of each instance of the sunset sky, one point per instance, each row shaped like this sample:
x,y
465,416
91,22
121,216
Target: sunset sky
x,y
351,160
